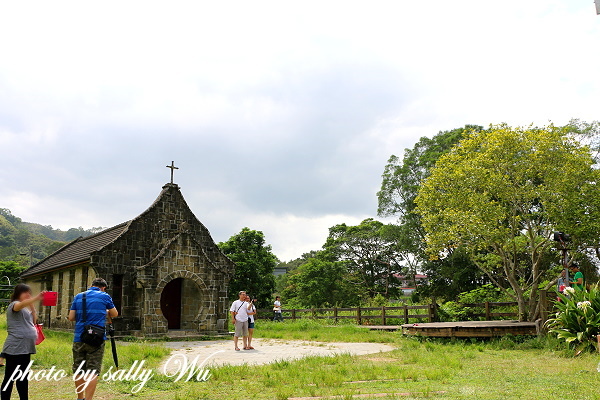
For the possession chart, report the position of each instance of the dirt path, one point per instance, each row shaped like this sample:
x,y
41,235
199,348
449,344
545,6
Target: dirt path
x,y
266,351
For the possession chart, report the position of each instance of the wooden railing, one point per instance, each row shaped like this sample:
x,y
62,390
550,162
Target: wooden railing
x,y
488,305
362,315
407,313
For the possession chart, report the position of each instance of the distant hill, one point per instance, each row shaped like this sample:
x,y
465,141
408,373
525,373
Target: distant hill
x,y
20,241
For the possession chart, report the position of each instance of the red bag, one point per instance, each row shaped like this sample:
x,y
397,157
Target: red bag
x,y
40,332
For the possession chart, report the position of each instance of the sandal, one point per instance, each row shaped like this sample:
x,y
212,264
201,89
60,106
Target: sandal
x,y
250,348
237,349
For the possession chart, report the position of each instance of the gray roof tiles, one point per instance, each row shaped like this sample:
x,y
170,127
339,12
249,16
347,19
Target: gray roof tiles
x,y
78,250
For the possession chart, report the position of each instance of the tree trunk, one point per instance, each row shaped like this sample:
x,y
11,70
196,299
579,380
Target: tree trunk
x,y
522,305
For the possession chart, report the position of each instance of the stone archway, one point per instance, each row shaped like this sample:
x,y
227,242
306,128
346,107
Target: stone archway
x,y
184,300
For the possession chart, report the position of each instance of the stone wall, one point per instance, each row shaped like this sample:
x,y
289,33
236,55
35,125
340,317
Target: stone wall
x,y
68,283
190,305
165,242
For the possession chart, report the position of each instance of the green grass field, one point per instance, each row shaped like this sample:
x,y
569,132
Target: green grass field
x,y
417,369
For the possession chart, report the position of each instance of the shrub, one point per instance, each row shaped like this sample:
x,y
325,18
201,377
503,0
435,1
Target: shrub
x,y
578,318
455,311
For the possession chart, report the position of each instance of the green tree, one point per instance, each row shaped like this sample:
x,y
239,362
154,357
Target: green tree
x,y
281,281
452,275
321,282
254,265
501,193
401,180
370,252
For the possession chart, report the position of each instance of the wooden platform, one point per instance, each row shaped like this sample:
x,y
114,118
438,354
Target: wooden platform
x,y
471,329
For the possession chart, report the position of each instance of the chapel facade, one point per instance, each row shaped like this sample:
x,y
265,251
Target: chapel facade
x,y
165,273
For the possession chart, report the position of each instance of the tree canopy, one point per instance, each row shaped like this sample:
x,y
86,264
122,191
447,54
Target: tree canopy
x,y
401,180
322,282
501,193
254,265
370,251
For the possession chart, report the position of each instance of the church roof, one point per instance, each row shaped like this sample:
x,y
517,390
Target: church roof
x,y
79,250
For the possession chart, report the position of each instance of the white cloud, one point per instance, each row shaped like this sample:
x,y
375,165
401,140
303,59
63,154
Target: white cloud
x,y
281,116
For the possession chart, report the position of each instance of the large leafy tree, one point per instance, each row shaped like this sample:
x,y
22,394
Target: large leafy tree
x,y
370,252
451,275
402,177
322,282
281,281
254,264
501,193
401,180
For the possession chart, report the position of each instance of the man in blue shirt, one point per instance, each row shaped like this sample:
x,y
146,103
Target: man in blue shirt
x,y
86,357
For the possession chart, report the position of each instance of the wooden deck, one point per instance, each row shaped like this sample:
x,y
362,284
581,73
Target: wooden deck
x,y
469,329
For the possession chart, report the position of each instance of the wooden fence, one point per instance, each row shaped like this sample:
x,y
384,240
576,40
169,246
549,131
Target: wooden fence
x,y
361,315
407,313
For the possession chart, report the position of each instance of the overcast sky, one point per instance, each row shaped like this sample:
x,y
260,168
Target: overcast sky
x,y
281,115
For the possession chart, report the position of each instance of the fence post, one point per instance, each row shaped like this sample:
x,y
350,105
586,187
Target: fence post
x,y
293,314
383,321
335,314
405,314
488,317
430,312
358,316
313,312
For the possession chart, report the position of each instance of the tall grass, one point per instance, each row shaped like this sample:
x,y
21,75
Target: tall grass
x,y
56,350
507,368
319,330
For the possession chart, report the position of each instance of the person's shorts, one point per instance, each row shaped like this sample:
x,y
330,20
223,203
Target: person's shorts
x,y
91,356
250,325
241,328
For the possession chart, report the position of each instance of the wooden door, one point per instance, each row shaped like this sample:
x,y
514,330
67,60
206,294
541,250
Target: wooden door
x,y
170,303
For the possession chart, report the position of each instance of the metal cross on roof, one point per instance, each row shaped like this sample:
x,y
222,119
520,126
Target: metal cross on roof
x,y
173,168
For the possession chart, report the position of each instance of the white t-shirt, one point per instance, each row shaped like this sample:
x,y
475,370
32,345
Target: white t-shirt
x,y
277,306
251,309
241,308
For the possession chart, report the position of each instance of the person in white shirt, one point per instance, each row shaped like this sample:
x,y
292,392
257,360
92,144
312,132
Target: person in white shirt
x,y
239,318
251,314
277,310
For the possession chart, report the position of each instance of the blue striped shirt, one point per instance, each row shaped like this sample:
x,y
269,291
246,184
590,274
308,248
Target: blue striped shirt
x,y
97,302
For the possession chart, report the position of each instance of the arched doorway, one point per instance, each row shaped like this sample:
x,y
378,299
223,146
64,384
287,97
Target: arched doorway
x,y
170,303
181,303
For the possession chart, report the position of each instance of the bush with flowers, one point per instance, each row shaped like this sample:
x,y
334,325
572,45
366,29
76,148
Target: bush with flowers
x,y
578,318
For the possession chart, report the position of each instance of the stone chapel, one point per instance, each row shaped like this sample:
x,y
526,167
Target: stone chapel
x,y
165,273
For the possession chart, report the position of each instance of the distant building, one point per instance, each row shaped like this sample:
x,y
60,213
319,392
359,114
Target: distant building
x,y
408,284
278,271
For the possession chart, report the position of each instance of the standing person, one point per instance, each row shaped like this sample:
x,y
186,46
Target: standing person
x,y
578,281
239,318
563,281
251,314
20,342
277,316
86,357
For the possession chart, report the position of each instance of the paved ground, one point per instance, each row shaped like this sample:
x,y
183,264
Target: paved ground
x,y
266,351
